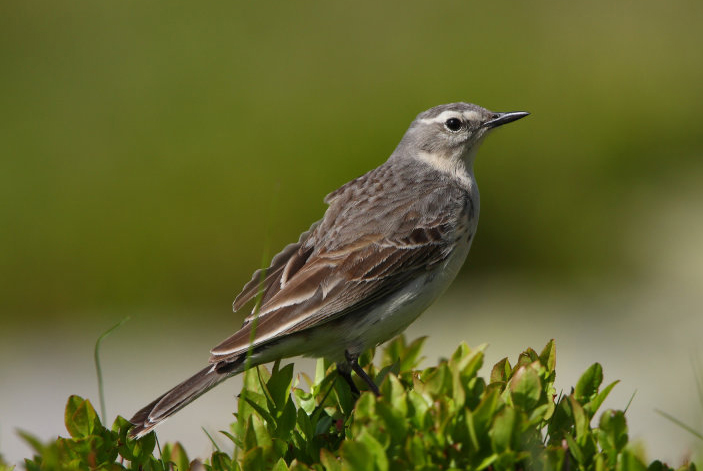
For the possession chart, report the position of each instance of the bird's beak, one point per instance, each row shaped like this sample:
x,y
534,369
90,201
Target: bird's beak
x,y
504,118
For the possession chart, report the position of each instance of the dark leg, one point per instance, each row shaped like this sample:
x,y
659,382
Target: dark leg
x,y
353,361
345,372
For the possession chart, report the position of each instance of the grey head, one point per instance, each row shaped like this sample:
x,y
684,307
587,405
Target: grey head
x,y
451,132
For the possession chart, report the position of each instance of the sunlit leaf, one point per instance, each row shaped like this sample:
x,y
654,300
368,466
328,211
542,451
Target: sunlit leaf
x,y
588,383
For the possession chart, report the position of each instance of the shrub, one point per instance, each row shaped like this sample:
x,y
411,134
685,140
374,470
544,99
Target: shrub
x,y
445,417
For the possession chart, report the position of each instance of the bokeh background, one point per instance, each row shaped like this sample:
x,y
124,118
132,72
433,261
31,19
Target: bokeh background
x,y
153,153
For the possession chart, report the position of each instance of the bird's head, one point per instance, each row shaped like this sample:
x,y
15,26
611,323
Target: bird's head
x,y
453,131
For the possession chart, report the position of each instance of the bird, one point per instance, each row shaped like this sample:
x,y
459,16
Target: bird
x,y
389,243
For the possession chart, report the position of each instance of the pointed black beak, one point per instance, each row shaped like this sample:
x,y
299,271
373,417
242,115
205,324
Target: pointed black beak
x,y
504,118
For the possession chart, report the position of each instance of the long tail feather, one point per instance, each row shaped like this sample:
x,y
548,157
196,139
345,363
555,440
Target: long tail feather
x,y
175,399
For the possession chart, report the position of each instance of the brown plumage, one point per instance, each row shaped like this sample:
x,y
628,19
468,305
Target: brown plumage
x,y
389,243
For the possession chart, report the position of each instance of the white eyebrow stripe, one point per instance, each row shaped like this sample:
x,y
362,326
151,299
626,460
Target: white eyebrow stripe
x,y
472,115
445,115
442,117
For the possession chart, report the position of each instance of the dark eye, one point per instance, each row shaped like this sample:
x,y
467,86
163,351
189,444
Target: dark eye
x,y
453,124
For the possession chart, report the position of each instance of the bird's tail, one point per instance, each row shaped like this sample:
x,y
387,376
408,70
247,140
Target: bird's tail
x,y
176,399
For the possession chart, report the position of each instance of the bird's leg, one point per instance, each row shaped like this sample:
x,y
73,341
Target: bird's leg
x,y
353,360
344,370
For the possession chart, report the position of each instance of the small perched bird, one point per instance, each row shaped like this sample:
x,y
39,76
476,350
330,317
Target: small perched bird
x,y
390,242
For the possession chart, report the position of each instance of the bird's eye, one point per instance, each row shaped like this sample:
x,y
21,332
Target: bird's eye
x,y
453,124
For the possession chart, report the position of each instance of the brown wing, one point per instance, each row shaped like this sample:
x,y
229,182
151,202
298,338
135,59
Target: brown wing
x,y
283,266
373,239
330,233
336,283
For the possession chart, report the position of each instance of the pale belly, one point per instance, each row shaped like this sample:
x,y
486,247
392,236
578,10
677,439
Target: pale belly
x,y
394,315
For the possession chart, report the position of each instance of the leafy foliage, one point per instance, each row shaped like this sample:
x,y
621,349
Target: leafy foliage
x,y
444,417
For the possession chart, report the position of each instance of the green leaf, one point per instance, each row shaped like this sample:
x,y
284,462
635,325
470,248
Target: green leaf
x,y
80,417
438,381
366,406
574,449
344,396
279,385
418,407
561,421
394,350
502,431
480,419
356,456
323,425
393,421
255,434
501,371
254,459
397,395
144,447
375,449
383,373
629,462
416,451
486,462
233,438
540,413
405,356
174,453
474,362
612,434
460,356
264,376
581,419
121,425
246,399
473,436
526,387
305,425
221,462
260,410
412,354
587,386
548,356
279,466
329,461
458,393
298,466
286,420
525,358
322,389
305,400
320,370
592,406
252,380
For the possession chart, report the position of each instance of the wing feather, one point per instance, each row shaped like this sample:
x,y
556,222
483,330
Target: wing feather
x,y
371,241
327,288
283,266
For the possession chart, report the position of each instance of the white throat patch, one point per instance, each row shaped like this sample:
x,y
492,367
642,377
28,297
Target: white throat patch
x,y
455,167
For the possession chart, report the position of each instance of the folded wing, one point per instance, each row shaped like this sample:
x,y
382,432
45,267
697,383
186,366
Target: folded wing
x,y
364,249
332,284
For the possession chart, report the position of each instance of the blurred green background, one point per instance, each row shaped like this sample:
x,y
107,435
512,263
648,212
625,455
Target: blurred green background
x,y
153,153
